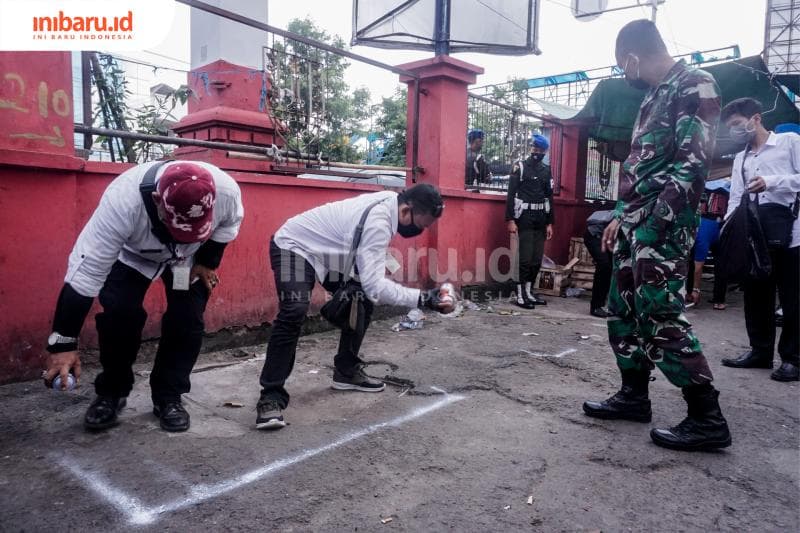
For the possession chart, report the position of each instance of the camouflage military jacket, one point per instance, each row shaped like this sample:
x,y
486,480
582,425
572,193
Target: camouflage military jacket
x,y
671,150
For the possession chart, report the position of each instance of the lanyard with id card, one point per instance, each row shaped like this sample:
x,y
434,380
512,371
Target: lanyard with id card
x,y
180,275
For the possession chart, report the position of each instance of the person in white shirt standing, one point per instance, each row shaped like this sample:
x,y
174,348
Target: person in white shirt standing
x,y
314,246
770,165
164,219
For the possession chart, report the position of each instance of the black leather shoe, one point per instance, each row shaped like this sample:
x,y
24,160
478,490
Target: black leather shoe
x,y
601,312
102,412
525,304
538,300
786,372
630,403
749,360
703,429
172,415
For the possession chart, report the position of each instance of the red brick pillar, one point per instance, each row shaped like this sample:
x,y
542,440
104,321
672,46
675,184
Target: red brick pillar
x,y
229,103
36,102
441,156
38,204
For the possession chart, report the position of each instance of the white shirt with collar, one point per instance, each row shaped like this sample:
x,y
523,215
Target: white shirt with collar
x,y
778,163
323,236
120,230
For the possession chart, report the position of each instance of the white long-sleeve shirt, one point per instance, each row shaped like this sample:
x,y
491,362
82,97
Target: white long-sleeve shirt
x,y
120,229
323,236
778,163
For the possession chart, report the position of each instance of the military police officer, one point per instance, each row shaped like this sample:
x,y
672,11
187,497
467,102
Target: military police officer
x,y
529,214
477,170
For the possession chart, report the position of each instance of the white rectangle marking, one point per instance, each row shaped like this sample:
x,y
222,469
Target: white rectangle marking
x,y
139,514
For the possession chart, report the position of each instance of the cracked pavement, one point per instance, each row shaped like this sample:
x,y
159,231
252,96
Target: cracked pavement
x,y
401,461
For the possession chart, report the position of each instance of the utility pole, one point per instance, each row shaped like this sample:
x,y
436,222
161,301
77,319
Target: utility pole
x,y
654,5
442,27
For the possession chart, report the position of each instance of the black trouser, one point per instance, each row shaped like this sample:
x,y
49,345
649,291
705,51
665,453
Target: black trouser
x,y
294,281
531,239
720,283
601,281
119,330
759,307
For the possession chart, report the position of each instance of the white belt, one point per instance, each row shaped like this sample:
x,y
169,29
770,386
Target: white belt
x,y
535,207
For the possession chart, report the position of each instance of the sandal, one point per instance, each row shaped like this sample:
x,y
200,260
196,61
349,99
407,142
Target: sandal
x,y
720,307
693,299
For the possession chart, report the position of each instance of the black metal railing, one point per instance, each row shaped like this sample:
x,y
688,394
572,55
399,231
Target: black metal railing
x,y
602,173
507,130
303,90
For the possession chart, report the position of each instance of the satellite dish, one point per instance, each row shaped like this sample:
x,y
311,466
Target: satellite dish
x,y
586,10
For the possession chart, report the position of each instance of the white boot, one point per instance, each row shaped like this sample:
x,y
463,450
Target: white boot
x,y
528,291
520,297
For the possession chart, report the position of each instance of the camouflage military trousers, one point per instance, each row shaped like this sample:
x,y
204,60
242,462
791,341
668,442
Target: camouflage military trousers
x,y
647,298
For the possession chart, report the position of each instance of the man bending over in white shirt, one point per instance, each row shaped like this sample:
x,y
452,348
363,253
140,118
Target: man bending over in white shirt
x,y
313,246
169,220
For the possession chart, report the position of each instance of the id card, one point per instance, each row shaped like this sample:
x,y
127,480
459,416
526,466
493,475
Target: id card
x,y
391,264
180,277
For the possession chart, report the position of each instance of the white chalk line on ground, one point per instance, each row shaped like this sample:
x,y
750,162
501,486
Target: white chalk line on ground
x,y
557,355
139,514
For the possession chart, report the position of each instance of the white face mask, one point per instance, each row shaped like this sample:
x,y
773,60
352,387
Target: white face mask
x,y
744,134
635,82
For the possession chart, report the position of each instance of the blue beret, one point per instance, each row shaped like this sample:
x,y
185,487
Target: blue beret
x,y
540,141
475,134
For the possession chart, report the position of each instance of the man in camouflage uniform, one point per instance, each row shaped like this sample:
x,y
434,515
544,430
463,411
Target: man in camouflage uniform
x,y
655,221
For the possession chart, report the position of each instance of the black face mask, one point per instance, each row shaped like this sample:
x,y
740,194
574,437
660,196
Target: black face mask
x,y
409,230
537,157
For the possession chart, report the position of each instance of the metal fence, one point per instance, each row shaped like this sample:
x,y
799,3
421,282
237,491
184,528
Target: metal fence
x,y
324,120
602,173
507,130
574,88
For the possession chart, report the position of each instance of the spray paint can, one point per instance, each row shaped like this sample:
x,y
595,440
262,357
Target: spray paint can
x,y
70,382
447,293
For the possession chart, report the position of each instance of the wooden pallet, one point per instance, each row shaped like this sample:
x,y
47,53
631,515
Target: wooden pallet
x,y
553,281
582,276
579,250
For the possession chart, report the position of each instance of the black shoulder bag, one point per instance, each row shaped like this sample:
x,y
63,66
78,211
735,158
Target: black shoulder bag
x,y
777,221
146,189
744,254
345,309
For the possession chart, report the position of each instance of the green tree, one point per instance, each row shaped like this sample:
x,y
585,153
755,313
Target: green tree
x,y
391,127
310,95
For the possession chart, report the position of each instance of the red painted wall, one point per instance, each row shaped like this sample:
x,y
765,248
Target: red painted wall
x,y
42,210
46,196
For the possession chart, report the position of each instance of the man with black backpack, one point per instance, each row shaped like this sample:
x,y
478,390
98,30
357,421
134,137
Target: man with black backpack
x,y
769,167
327,244
170,220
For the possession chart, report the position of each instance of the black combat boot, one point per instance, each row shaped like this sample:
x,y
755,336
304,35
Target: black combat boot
x,y
703,429
630,403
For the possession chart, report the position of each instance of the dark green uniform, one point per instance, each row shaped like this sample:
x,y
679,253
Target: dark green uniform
x,y
530,205
664,176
